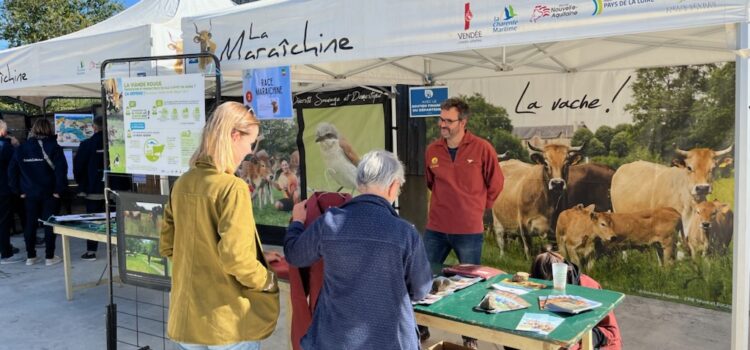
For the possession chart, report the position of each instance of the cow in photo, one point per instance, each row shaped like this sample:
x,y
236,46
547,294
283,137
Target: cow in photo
x,y
203,37
256,171
589,184
113,96
644,228
533,193
710,230
577,228
645,185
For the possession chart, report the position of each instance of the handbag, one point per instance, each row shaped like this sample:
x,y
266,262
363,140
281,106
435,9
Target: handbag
x,y
264,304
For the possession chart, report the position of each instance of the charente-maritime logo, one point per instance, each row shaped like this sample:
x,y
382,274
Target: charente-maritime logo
x,y
468,35
507,22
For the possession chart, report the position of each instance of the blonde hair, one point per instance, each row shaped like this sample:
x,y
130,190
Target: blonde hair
x,y
216,141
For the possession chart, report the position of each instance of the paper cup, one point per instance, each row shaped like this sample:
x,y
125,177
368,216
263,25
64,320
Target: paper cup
x,y
559,275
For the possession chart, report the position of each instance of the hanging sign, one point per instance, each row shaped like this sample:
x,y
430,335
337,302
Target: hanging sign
x,y
425,101
268,91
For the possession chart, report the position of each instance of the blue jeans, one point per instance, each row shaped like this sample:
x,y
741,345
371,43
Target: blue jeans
x,y
468,248
245,345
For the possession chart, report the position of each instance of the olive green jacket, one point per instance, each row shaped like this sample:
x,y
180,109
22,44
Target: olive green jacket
x,y
209,234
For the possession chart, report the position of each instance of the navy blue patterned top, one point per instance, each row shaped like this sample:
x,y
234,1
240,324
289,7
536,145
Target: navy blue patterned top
x,y
375,265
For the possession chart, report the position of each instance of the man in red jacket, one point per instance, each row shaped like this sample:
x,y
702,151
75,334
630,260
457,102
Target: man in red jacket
x,y
464,176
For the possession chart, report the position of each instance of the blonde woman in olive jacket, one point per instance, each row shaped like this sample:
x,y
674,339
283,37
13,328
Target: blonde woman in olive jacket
x,y
209,235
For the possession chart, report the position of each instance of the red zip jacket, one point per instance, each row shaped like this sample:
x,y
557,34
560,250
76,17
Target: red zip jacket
x,y
463,188
608,325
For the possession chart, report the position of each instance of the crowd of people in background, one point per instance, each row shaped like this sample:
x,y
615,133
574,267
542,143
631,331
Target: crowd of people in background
x,y
35,172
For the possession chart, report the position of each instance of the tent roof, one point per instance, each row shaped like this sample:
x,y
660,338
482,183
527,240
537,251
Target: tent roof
x,y
420,42
69,65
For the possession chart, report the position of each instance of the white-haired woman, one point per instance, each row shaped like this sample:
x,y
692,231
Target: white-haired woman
x,y
375,264
209,235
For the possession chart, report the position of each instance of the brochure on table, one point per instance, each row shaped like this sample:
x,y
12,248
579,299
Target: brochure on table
x,y
164,118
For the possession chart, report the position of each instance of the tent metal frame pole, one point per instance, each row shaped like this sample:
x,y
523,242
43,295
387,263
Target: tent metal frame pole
x,y
740,261
111,313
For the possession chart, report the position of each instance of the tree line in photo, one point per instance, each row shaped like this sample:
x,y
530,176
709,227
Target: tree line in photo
x,y
645,208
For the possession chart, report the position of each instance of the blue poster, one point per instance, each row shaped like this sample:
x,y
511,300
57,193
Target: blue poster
x,y
268,91
425,101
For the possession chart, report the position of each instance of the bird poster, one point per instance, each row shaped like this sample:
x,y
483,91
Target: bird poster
x,y
335,138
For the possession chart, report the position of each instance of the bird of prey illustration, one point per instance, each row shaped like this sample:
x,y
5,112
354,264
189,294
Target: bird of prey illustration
x,y
338,155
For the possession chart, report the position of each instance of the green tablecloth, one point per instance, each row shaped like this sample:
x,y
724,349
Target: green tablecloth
x,y
459,307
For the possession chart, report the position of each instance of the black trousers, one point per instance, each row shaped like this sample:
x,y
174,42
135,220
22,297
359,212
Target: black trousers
x,y
5,249
40,208
93,206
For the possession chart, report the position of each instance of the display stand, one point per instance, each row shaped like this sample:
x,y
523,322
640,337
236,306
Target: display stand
x,y
214,90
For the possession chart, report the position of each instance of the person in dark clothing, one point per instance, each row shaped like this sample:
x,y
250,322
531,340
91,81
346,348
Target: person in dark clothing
x,y
375,264
88,170
6,153
606,334
38,172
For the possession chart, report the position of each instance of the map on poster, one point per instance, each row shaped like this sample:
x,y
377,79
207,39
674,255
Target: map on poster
x,y
72,129
163,119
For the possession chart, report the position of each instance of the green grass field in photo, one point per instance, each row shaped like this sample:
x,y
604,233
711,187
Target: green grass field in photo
x,y
140,263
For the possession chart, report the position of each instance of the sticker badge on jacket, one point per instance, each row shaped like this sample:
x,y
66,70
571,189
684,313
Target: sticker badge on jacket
x,y
434,162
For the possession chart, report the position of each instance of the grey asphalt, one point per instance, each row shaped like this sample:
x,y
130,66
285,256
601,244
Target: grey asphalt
x,y
34,314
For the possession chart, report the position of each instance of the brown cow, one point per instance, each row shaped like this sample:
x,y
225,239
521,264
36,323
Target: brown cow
x,y
645,185
646,227
589,184
710,230
576,230
533,192
177,47
114,97
257,173
203,37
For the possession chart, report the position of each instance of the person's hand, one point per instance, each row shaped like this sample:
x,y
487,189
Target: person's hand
x,y
23,195
272,256
299,213
14,141
56,195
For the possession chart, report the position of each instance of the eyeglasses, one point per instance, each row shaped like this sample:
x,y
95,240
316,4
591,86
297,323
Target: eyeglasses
x,y
447,121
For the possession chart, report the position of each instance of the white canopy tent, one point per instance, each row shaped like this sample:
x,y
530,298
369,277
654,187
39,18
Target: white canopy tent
x,y
416,42
335,43
70,65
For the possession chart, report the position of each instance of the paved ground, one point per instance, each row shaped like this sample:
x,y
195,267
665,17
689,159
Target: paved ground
x,y
34,314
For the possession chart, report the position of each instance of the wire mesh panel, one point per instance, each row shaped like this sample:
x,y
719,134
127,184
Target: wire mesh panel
x,y
137,316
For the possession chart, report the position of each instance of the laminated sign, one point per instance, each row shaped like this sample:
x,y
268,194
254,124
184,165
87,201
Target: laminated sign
x,y
269,92
163,118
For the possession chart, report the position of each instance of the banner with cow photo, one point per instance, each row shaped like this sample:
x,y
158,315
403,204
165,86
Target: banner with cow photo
x,y
629,174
